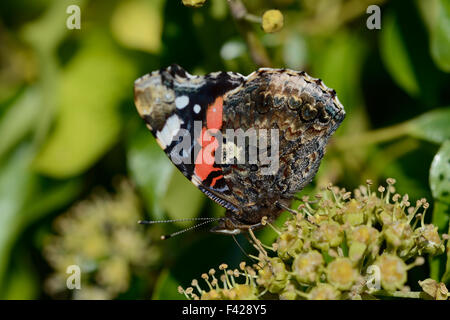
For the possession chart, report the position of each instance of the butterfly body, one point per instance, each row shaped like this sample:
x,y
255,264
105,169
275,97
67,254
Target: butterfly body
x,y
248,142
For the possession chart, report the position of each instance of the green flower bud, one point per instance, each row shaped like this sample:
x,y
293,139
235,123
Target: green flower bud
x,y
304,228
272,21
212,295
428,240
393,271
353,215
363,234
289,293
341,274
388,213
194,3
398,234
324,291
288,245
356,251
306,267
328,235
241,292
273,276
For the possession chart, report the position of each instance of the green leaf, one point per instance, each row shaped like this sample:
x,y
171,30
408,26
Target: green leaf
x,y
440,188
440,36
338,62
52,24
19,119
24,198
433,126
166,287
441,215
165,189
150,169
15,185
22,282
88,123
446,276
395,56
183,199
440,174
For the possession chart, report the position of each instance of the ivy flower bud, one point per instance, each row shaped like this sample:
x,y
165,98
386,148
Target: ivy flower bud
x,y
289,293
341,274
393,271
288,245
353,214
428,240
244,292
363,234
399,235
389,213
272,21
328,235
273,276
211,295
324,291
356,251
306,267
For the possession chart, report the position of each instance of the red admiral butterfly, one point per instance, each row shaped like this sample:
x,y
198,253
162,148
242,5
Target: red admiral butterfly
x,y
195,117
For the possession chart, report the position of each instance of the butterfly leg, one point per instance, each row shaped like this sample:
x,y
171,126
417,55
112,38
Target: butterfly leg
x,y
295,212
257,243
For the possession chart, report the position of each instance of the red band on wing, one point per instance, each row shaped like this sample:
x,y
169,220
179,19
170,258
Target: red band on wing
x,y
214,114
204,163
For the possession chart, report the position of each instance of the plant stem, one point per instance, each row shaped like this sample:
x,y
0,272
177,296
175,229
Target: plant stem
x,y
399,294
372,137
257,51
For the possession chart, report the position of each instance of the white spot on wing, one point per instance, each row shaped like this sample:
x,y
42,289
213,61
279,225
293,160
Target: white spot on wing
x,y
171,128
181,102
197,108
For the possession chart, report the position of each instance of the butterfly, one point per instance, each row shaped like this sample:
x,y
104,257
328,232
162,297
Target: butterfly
x,y
249,143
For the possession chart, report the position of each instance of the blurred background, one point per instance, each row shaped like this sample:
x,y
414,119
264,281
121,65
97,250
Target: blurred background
x,y
78,167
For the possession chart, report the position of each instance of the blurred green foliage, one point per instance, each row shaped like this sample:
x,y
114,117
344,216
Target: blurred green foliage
x,y
68,123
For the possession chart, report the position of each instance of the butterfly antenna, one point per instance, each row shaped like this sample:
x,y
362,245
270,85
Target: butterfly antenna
x,y
164,237
175,220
